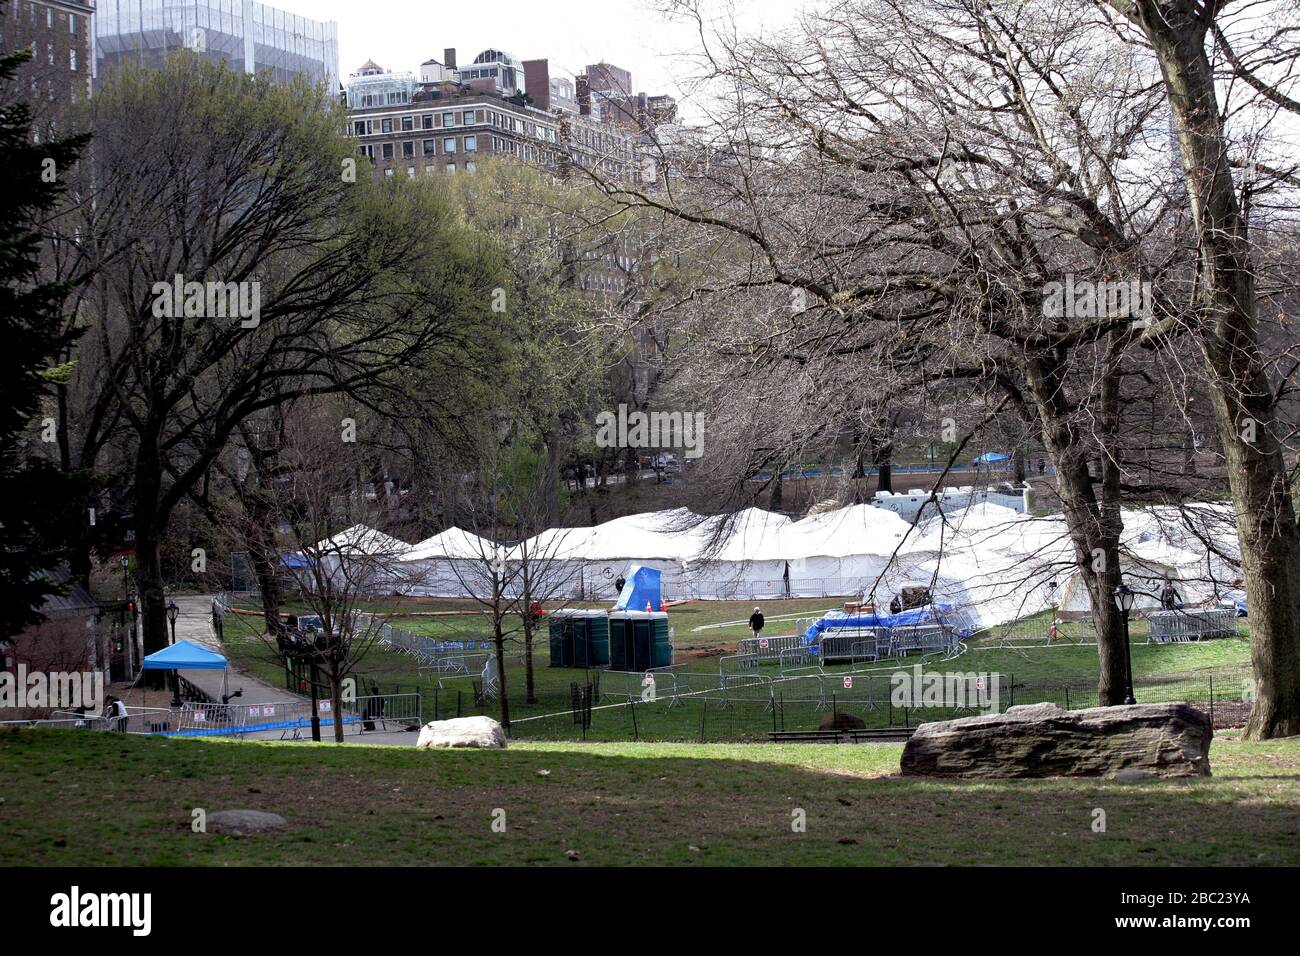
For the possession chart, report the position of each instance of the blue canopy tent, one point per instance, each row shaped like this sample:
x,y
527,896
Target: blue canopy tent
x,y
188,656
640,588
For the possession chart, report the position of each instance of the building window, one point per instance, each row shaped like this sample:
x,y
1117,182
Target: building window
x,y
430,147
451,169
49,53
388,171
471,144
72,24
387,152
448,119
49,17
386,125
468,117
408,149
470,167
449,145
428,170
426,121
408,123
410,172
72,59
359,128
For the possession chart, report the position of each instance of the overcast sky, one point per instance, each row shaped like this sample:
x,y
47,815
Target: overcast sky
x,y
401,34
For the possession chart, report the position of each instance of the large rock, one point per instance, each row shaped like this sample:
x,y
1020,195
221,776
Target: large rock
x,y
462,732
1042,740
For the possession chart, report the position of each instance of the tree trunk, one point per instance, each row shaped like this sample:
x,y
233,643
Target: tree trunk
x,y
336,701
1094,525
149,527
1244,409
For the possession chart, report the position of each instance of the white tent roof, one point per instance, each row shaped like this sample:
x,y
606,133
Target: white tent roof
x,y
452,543
361,539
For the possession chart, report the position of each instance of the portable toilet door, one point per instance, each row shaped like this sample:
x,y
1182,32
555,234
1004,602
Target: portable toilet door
x,y
643,640
556,634
593,648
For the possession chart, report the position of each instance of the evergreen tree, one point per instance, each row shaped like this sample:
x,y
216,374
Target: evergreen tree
x,y
37,500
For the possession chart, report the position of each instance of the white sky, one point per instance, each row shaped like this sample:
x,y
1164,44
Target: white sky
x,y
401,34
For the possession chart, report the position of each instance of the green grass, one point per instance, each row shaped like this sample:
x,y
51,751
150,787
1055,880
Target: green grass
x,y
1065,674
74,798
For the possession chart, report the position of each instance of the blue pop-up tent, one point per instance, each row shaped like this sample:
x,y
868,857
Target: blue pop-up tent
x,y
639,589
186,656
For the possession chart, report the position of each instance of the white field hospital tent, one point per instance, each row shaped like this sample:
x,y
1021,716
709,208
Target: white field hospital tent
x,y
449,564
359,559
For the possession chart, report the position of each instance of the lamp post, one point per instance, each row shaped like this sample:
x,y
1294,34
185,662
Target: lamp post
x,y
1124,601
172,612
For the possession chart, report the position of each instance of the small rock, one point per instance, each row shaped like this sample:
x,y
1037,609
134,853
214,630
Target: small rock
x,y
243,822
692,849
543,773
571,854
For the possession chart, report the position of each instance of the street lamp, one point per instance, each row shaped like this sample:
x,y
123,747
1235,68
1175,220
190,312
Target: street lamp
x,y
1124,596
172,612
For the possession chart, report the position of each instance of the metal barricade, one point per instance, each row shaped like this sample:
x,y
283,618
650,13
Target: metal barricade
x,y
769,648
1192,624
850,644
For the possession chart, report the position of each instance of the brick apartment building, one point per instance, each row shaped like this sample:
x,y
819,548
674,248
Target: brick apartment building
x,y
60,33
448,117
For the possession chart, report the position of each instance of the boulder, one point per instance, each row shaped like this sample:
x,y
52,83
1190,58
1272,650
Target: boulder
x,y
481,732
243,822
1042,740
842,722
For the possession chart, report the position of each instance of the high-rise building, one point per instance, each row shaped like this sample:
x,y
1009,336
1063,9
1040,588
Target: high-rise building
x,y
248,36
59,33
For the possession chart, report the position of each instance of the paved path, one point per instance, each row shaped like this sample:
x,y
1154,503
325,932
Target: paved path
x,y
193,623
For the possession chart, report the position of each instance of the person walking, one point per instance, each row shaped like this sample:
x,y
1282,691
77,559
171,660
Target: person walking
x,y
1170,599
756,622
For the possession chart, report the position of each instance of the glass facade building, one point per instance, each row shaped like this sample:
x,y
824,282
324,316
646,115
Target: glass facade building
x,y
249,36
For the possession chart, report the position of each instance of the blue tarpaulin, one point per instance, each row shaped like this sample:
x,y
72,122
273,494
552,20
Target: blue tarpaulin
x,y
991,458
640,588
184,656
931,614
296,562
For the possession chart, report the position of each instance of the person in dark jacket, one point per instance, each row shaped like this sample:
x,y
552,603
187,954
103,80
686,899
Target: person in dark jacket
x,y
1170,599
756,622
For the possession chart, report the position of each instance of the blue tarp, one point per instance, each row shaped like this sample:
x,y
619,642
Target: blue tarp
x,y
931,614
640,588
296,562
184,656
991,458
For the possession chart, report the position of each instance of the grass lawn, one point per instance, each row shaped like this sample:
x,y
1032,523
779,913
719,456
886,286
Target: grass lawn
x,y
1065,673
79,798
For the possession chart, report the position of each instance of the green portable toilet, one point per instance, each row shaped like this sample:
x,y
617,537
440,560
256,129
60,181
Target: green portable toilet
x,y
579,638
638,640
